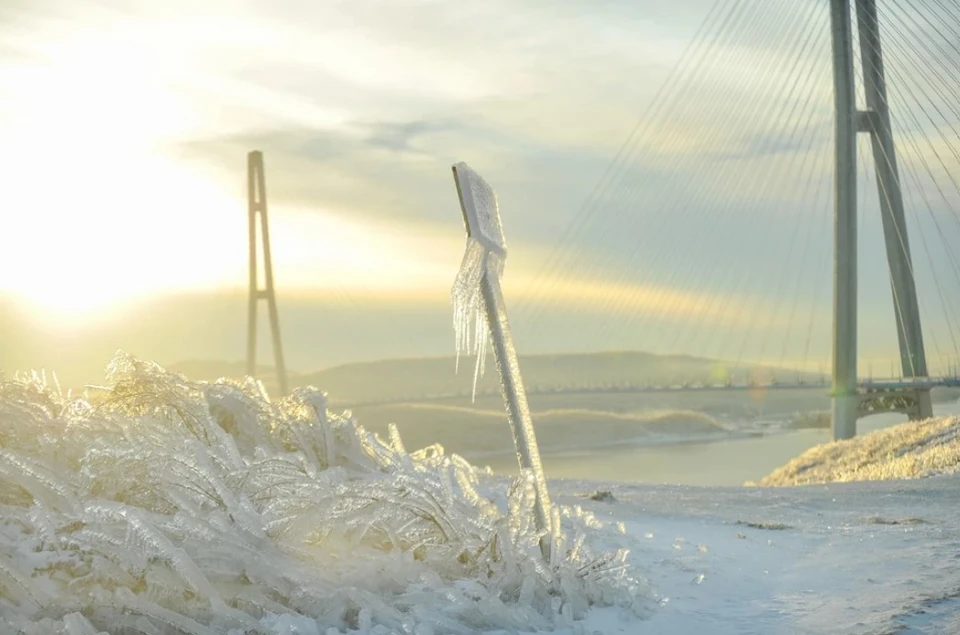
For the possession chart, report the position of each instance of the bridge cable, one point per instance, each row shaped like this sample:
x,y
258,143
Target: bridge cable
x,y
766,175
919,71
705,186
683,89
660,98
893,72
619,209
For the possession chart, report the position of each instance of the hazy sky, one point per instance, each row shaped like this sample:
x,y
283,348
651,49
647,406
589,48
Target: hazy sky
x,y
125,127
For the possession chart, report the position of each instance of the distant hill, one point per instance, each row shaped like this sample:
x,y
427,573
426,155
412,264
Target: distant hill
x,y
213,369
425,378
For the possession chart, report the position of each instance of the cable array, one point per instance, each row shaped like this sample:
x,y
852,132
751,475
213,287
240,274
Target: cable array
x,y
732,164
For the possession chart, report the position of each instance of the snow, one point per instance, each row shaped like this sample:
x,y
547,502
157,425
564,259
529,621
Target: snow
x,y
878,557
161,505
910,450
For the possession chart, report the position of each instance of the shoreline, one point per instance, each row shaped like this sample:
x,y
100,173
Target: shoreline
x,y
728,461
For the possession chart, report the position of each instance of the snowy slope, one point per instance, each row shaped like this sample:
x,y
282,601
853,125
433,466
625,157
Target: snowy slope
x,y
159,505
910,450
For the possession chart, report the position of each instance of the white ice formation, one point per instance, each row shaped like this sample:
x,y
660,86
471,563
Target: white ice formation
x,y
160,505
485,254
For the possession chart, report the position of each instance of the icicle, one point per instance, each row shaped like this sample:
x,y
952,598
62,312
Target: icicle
x,y
469,323
77,624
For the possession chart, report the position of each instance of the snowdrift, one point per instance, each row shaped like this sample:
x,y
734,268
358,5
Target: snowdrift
x,y
159,505
911,450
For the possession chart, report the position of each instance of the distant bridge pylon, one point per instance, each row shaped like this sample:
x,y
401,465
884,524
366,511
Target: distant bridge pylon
x,y
257,208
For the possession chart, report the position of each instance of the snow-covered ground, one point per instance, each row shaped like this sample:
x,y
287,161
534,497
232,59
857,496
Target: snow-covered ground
x,y
860,558
159,505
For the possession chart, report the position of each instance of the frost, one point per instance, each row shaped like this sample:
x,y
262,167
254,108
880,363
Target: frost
x,y
160,505
485,254
481,211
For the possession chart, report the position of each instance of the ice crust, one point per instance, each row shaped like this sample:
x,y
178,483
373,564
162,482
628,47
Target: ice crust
x,y
481,210
160,505
485,253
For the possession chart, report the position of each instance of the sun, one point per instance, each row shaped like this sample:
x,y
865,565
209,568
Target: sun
x,y
96,213
85,237
99,214
92,245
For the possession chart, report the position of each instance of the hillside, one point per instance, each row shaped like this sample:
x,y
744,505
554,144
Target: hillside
x,y
915,449
422,378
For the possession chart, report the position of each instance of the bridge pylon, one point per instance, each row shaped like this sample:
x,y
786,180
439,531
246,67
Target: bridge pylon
x,y
257,209
849,401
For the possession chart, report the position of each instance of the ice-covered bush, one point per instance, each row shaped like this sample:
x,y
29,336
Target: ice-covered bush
x,y
160,505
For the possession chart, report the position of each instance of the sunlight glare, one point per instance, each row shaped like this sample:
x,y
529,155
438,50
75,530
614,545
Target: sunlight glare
x,y
96,213
102,216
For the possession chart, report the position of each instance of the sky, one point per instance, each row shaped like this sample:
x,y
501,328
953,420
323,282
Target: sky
x,y
126,125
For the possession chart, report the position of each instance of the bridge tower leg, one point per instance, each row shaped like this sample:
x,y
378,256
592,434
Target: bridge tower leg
x,y
257,208
875,120
844,391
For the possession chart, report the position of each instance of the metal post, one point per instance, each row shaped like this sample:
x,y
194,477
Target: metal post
x,y
252,208
257,204
907,312
514,395
844,393
484,226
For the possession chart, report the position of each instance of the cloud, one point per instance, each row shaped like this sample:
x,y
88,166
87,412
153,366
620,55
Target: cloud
x,y
375,171
360,108
400,136
363,105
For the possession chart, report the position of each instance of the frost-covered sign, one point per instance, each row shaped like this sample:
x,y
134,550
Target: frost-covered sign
x,y
479,309
486,251
481,214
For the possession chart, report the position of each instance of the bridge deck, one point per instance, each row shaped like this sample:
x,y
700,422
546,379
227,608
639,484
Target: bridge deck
x,y
869,385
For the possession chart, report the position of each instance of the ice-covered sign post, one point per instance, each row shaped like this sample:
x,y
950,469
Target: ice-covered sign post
x,y
478,308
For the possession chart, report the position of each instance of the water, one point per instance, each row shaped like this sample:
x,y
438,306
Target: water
x,y
728,462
